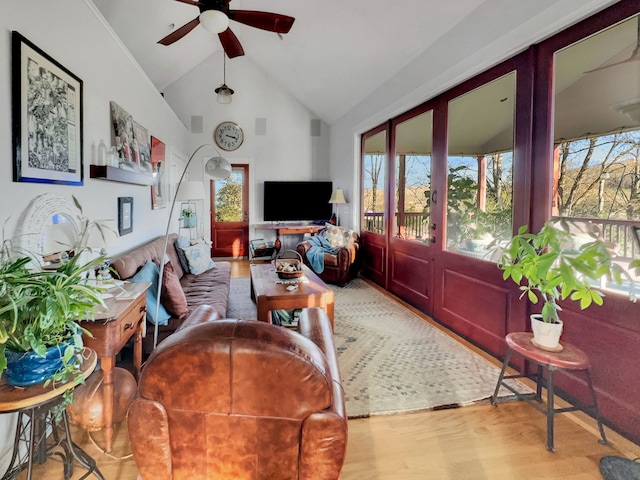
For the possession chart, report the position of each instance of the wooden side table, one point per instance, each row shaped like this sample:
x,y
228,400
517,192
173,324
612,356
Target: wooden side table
x,y
34,403
569,358
123,318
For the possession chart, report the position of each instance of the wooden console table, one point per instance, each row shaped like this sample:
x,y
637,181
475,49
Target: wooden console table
x,y
288,229
123,318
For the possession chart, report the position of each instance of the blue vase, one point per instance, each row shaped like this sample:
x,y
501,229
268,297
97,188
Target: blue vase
x,y
28,368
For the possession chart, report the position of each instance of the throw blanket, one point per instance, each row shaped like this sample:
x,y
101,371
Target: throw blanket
x,y
315,254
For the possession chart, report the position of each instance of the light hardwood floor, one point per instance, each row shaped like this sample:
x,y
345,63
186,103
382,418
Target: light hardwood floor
x,y
478,442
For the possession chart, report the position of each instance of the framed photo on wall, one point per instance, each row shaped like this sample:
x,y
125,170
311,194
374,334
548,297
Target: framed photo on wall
x,y
47,117
158,196
125,215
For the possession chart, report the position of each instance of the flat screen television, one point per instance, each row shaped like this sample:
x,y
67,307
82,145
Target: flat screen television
x,y
302,201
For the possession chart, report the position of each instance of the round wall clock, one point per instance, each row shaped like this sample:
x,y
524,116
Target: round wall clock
x,y
228,136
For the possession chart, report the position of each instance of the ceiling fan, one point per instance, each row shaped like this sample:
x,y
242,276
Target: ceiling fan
x,y
215,15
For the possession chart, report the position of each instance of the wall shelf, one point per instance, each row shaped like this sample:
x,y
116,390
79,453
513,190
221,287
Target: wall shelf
x,y
114,174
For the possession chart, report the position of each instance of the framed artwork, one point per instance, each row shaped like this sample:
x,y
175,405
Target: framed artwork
x,y
158,189
141,148
47,117
125,215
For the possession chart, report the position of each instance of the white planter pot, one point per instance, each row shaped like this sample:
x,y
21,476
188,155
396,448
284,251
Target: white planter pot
x,y
546,335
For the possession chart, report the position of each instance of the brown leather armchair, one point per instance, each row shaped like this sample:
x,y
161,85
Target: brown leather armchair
x,y
340,267
244,400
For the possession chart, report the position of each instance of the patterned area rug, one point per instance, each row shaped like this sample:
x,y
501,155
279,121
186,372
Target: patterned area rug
x,y
391,361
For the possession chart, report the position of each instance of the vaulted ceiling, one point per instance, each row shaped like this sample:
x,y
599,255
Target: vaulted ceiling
x,y
337,53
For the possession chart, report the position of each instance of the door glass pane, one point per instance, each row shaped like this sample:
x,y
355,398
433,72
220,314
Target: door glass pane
x,y
597,137
480,169
413,178
228,202
373,176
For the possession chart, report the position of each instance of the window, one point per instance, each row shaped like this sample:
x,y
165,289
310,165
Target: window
x,y
480,169
373,182
413,177
597,136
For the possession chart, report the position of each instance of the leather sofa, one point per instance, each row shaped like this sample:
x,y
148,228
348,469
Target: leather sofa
x,y
241,399
208,288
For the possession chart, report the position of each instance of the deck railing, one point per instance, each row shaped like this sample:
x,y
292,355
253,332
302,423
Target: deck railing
x,y
618,232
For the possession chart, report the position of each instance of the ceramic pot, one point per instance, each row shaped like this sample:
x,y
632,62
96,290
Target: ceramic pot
x,y
28,368
546,335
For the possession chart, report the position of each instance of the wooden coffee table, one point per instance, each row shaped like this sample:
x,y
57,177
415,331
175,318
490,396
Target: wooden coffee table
x,y
269,295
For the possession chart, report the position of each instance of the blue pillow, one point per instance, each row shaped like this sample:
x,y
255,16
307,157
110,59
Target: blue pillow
x,y
150,273
181,244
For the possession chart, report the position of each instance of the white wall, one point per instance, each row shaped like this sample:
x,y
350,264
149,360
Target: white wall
x,y
71,31
496,31
286,152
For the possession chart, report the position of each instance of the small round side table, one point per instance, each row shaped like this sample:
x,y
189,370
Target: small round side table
x,y
34,405
569,358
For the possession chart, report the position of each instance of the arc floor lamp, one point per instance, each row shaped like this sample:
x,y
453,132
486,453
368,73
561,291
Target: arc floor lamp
x,y
218,168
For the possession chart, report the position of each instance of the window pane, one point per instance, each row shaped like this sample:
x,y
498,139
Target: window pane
x,y
229,197
413,178
597,137
480,169
373,175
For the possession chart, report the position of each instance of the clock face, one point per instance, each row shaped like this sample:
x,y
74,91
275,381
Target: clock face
x,y
228,136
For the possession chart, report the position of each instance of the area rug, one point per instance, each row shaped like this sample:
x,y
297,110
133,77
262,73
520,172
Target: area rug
x,y
392,361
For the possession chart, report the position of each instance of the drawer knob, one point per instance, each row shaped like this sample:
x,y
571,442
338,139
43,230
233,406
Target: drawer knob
x,y
128,326
143,308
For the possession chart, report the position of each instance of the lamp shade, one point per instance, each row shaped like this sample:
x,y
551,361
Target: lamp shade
x,y
218,168
191,190
224,94
338,197
102,234
58,237
214,21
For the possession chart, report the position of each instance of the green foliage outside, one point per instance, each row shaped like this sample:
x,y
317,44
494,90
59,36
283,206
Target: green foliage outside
x,y
229,200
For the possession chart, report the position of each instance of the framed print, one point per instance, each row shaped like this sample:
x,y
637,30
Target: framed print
x,y
125,215
47,117
158,196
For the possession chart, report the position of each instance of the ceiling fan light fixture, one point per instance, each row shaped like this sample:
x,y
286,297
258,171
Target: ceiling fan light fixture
x,y
214,21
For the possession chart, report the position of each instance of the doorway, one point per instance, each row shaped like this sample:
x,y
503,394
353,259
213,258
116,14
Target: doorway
x,y
230,214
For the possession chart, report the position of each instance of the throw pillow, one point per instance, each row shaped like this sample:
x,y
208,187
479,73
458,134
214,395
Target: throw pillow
x,y
181,243
199,258
151,273
339,236
172,294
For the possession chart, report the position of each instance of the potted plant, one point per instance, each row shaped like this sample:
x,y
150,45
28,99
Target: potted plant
x,y
188,218
39,310
549,267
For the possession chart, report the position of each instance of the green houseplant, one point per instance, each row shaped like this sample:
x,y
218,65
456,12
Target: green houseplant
x,y
39,310
549,267
188,218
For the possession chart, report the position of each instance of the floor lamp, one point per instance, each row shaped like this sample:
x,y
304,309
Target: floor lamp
x,y
217,168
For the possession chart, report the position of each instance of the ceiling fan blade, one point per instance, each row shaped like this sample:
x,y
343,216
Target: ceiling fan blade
x,y
272,22
192,2
231,44
179,33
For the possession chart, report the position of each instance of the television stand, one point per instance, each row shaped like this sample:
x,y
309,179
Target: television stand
x,y
288,229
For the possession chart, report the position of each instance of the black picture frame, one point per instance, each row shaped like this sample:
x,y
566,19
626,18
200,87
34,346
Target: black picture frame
x,y
47,117
125,215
